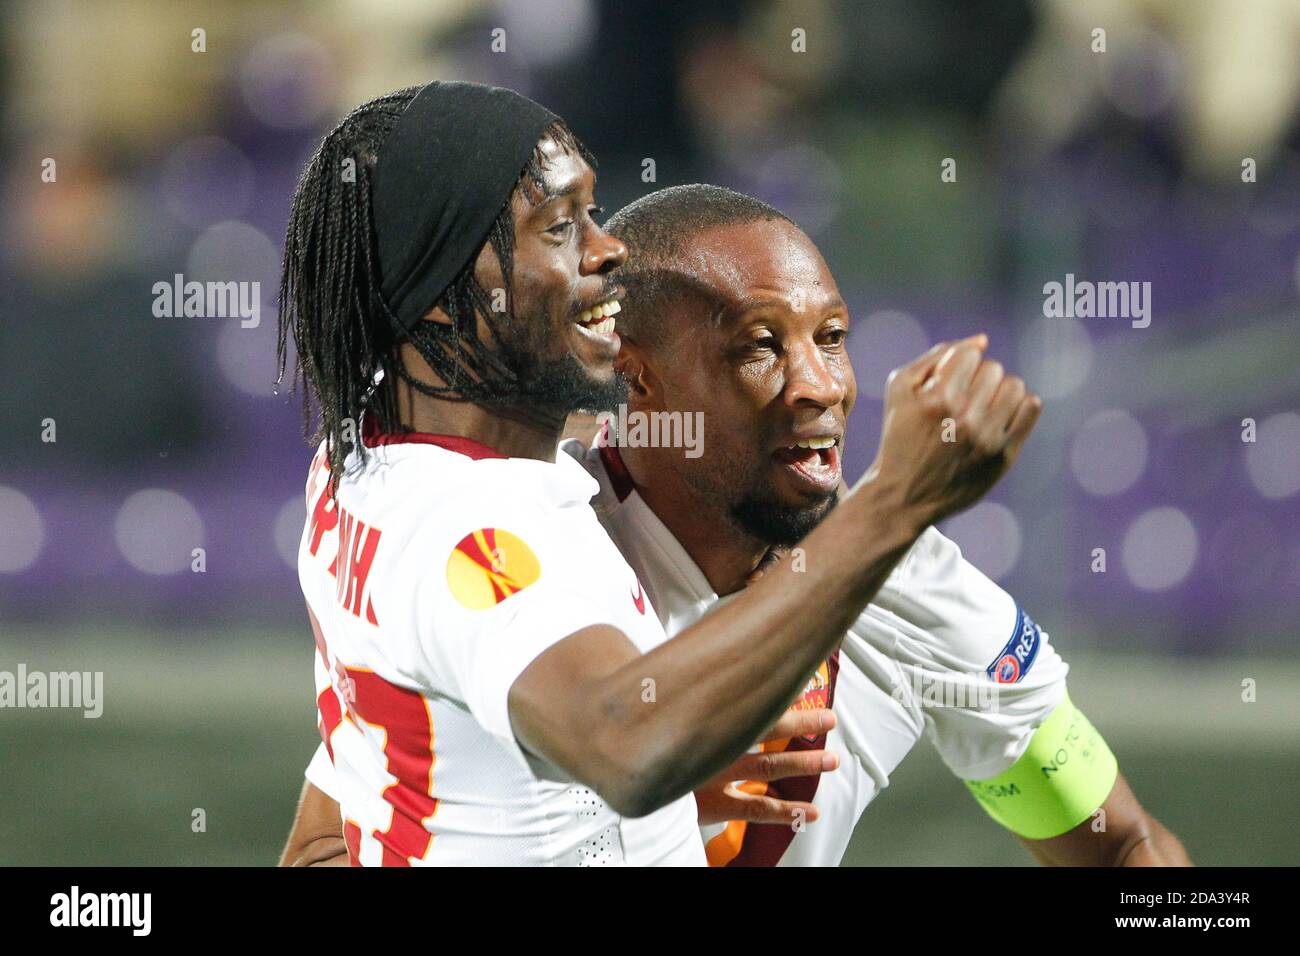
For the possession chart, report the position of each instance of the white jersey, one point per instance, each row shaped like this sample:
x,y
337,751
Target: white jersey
x,y
437,574
942,652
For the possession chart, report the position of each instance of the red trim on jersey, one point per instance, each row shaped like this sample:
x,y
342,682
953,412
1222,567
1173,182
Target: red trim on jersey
x,y
331,712
461,445
331,715
352,840
619,478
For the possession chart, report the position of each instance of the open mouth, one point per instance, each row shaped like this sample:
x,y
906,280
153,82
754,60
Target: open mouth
x,y
600,318
812,463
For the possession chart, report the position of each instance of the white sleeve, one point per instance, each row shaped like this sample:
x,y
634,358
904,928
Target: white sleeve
x,y
488,606
320,774
984,675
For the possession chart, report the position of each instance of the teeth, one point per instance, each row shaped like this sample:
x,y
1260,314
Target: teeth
x,y
603,328
816,443
603,311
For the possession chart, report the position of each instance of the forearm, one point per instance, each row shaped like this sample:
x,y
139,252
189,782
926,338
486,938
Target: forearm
x,y
720,683
1127,836
1156,847
316,838
323,851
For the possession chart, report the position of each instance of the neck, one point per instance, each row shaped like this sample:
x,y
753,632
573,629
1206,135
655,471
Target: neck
x,y
509,432
725,554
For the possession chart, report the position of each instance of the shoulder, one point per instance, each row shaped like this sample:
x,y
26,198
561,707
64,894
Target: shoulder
x,y
430,506
437,487
948,615
503,526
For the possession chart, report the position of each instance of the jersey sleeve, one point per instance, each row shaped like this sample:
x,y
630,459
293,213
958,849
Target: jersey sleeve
x,y
983,674
497,590
321,775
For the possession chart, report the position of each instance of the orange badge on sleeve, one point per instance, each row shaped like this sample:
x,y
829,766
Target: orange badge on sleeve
x,y
488,566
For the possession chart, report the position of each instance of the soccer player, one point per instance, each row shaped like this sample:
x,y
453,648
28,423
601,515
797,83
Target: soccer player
x,y
493,684
942,651
732,309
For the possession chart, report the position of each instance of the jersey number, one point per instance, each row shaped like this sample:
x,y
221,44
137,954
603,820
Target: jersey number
x,y
403,717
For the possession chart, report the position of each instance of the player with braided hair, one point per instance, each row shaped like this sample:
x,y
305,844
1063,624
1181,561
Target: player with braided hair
x,y
330,299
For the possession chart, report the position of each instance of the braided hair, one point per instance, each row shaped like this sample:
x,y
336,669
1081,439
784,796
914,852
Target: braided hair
x,y
346,343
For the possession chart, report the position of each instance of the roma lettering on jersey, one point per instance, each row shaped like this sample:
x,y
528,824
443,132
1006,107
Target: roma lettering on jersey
x,y
356,543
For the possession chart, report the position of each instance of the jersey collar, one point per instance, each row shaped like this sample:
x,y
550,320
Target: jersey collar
x,y
461,445
654,552
620,480
560,482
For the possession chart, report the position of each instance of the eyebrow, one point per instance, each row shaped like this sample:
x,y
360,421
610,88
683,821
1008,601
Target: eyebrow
x,y
744,306
552,192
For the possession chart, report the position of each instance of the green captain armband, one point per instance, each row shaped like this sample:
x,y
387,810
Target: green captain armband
x,y
1065,775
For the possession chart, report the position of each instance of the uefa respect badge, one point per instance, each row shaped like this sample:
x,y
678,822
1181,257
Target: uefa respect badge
x,y
1018,655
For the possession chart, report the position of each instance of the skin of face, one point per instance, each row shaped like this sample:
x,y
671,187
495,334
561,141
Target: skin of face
x,y
765,361
564,263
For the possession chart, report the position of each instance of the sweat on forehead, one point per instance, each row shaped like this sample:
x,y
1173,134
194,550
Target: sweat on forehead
x,y
663,265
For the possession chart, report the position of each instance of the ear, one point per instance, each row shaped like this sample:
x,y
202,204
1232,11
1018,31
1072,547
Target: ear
x,y
631,362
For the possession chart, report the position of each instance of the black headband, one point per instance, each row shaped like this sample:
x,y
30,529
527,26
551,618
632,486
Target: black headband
x,y
442,177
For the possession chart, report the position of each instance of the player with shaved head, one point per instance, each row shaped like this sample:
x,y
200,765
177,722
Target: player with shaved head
x,y
736,311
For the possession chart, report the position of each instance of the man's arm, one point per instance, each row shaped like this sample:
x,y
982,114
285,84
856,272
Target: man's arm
x,y
317,839
317,835
1130,837
1065,799
583,703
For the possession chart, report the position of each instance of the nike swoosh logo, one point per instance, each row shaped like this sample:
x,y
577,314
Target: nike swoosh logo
x,y
639,598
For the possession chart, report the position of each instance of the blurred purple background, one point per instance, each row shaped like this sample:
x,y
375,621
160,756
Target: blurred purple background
x,y
1117,166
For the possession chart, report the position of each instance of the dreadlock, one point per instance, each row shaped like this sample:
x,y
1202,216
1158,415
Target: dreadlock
x,y
346,344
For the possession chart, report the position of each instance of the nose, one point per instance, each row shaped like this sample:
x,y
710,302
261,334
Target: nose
x,y
813,378
603,253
